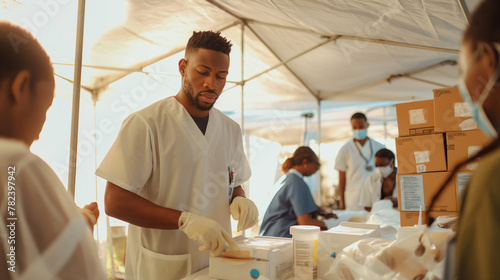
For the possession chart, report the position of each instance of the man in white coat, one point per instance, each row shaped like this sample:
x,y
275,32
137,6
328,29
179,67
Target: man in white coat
x,y
355,162
175,172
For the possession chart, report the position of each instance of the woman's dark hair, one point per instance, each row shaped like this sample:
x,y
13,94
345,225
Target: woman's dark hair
x,y
385,153
484,27
301,154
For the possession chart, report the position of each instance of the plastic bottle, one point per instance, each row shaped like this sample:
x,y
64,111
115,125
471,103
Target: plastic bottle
x,y
305,252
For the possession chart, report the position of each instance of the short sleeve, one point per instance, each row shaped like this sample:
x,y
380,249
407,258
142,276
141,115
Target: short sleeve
x,y
341,160
300,197
129,162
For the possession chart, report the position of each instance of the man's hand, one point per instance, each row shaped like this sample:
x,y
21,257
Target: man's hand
x,y
91,213
245,212
207,231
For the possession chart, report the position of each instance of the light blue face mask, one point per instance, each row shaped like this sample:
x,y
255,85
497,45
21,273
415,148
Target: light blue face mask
x,y
477,107
359,134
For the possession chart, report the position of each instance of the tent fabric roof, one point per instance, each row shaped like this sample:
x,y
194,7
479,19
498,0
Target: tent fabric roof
x,y
346,54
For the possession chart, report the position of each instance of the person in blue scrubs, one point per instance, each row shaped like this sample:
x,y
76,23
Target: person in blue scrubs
x,y
293,203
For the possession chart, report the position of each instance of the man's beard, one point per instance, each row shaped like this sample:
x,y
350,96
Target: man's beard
x,y
188,89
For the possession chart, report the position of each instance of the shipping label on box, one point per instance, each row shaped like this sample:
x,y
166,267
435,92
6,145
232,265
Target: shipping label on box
x,y
451,112
417,190
420,154
461,181
463,145
415,118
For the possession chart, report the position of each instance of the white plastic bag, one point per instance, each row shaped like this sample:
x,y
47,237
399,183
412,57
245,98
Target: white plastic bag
x,y
416,256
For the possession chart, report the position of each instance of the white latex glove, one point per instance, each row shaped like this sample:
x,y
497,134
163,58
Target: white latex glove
x,y
245,212
207,231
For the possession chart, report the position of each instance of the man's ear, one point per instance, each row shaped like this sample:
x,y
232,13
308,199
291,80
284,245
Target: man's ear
x,y
182,66
20,85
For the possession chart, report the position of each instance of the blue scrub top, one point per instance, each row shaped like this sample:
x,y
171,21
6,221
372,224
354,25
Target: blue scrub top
x,y
292,200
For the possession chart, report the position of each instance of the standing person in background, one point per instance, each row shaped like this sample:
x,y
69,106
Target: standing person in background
x,y
43,234
175,172
355,162
293,204
381,184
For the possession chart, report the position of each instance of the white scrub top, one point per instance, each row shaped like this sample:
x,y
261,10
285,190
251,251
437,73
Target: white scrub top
x,y
161,155
372,190
354,165
43,234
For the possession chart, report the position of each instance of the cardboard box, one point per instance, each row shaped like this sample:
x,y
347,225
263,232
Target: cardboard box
x,y
415,118
272,258
419,189
462,145
423,153
334,240
409,219
451,112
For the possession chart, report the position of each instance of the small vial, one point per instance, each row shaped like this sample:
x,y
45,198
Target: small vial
x,y
305,252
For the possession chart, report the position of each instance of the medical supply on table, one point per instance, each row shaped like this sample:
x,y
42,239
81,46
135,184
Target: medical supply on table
x,y
333,241
305,252
259,257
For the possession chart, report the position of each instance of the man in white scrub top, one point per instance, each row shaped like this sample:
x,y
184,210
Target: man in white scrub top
x,y
355,162
175,172
43,234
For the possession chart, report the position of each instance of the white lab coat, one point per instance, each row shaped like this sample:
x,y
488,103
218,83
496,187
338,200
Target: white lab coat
x,y
372,190
48,233
161,155
350,161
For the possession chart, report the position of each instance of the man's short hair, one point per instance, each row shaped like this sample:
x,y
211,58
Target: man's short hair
x,y
385,153
358,115
208,40
20,50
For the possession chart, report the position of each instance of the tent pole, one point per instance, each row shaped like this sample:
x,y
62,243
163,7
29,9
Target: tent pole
x,y
75,112
242,78
358,38
385,124
319,153
465,10
390,78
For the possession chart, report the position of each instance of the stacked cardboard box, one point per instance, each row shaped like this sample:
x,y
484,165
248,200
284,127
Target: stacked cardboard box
x,y
434,137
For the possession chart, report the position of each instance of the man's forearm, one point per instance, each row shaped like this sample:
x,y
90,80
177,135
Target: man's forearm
x,y
134,209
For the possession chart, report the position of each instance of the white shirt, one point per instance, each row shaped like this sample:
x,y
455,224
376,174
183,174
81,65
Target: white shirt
x,y
161,155
49,235
372,190
354,165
